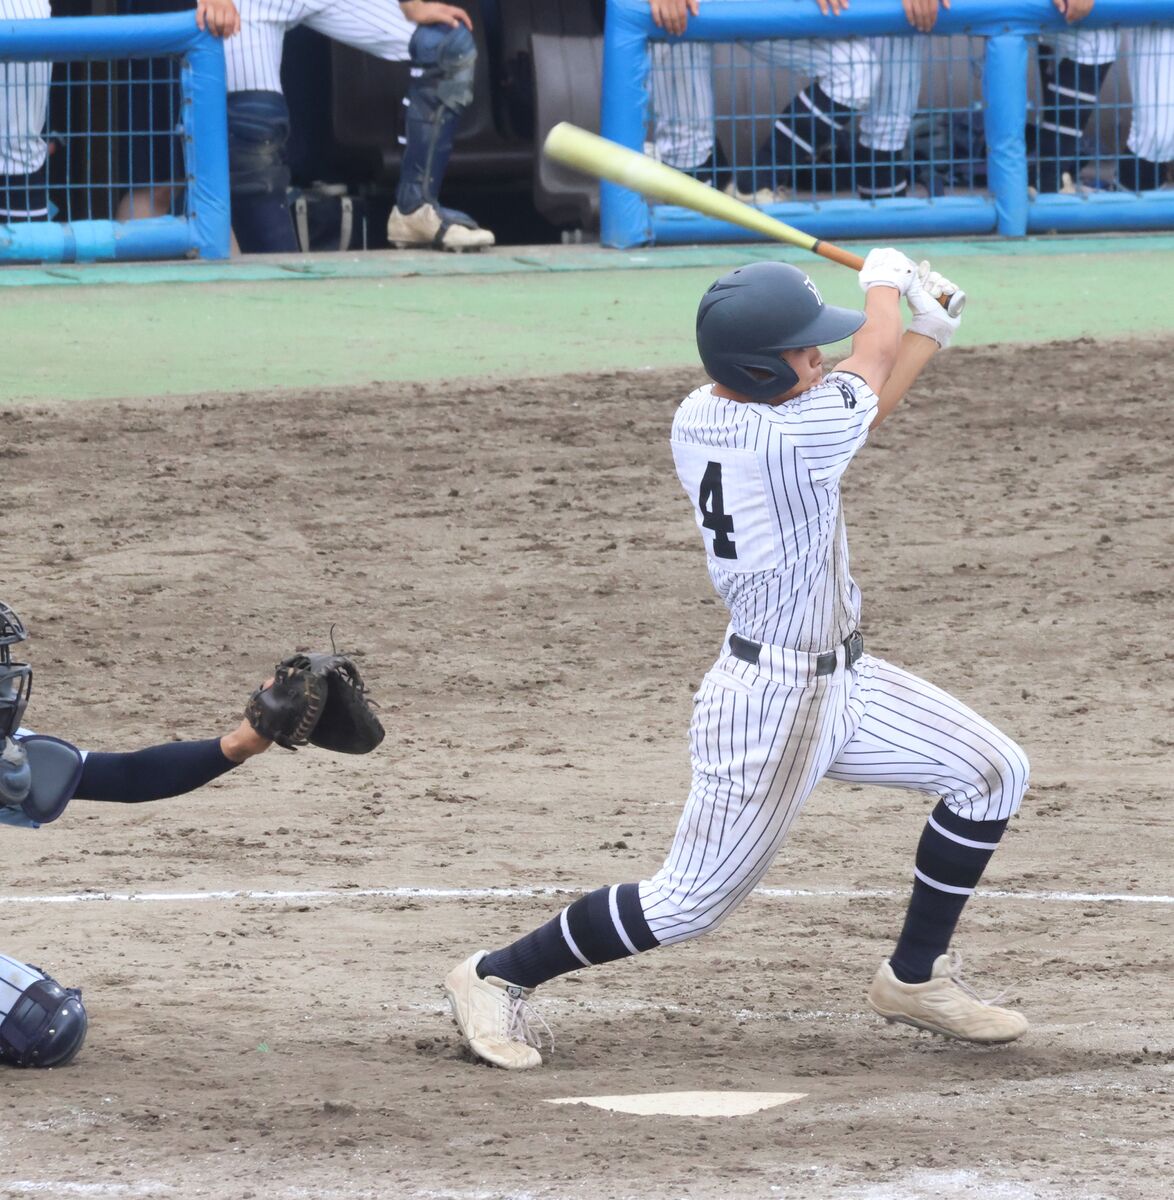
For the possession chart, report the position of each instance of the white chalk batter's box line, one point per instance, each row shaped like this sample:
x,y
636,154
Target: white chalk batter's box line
x,y
329,895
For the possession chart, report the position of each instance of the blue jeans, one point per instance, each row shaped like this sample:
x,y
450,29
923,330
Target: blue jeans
x,y
441,89
258,170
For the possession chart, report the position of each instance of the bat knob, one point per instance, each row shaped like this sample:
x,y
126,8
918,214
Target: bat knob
x,y
955,303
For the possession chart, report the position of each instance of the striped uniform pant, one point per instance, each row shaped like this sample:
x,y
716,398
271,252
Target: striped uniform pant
x,y
762,736
24,105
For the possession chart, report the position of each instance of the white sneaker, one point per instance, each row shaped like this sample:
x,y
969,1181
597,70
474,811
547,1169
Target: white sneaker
x,y
430,228
494,1016
944,1004
762,196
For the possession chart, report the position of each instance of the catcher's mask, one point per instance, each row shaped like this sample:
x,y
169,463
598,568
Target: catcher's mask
x,y
751,315
16,678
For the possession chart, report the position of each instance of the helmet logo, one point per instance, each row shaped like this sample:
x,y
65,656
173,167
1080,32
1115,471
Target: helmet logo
x,y
812,289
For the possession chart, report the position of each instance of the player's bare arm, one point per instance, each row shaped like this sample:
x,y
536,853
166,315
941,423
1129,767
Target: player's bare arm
x,y
885,277
931,329
673,15
424,12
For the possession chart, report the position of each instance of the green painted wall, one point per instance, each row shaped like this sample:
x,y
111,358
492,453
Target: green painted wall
x,y
188,328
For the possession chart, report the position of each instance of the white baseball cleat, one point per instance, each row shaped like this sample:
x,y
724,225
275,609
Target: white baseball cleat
x,y
433,228
494,1016
760,197
944,1004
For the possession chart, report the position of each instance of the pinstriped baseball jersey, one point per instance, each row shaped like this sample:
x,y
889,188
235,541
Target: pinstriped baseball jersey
x,y
764,481
24,100
253,58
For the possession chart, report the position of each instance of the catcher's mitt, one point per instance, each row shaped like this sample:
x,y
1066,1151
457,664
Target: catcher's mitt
x,y
287,710
348,723
318,699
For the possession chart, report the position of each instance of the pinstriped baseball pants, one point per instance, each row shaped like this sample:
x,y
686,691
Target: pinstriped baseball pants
x,y
762,736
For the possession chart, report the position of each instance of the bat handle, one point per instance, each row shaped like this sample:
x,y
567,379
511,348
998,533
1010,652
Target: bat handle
x,y
954,303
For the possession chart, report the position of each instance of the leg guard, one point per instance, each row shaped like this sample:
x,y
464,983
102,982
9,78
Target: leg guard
x,y
42,1024
441,89
258,130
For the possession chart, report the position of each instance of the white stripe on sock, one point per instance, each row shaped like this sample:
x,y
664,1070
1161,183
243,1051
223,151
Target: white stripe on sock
x,y
570,941
961,840
806,147
942,887
614,908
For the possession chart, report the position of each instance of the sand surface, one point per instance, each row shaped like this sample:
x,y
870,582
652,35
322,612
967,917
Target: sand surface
x,y
518,575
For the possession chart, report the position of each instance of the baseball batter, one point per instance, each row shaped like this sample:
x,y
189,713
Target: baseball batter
x,y
436,38
792,698
43,1024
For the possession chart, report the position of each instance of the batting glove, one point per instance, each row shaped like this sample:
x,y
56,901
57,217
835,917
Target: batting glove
x,y
924,298
887,268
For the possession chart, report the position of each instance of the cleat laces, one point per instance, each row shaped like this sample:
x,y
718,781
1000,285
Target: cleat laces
x,y
523,1023
954,966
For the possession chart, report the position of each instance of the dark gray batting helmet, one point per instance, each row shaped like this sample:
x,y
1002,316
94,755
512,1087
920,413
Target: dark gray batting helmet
x,y
749,316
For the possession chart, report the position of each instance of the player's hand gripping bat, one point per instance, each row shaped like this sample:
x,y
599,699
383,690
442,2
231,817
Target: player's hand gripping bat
x,y
604,159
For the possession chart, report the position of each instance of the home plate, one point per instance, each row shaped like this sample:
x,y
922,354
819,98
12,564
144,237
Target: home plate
x,y
687,1104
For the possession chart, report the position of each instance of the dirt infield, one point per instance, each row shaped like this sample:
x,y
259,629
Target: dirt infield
x,y
520,578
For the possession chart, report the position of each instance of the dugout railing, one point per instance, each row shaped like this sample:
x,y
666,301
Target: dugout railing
x,y
70,131
971,155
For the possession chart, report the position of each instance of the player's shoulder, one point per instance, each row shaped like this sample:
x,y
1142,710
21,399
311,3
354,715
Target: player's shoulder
x,y
705,418
836,390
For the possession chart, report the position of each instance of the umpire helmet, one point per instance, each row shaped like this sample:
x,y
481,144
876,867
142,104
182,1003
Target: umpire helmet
x,y
16,679
750,315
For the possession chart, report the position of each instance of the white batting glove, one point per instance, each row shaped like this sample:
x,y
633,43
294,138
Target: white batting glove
x,y
924,299
887,268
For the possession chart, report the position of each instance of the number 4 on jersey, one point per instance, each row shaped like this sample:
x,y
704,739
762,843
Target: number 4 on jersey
x,y
713,513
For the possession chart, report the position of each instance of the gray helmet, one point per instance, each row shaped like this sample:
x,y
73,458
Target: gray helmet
x,y
752,314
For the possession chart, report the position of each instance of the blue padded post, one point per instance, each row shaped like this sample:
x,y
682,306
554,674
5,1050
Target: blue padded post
x,y
1004,82
207,233
624,216
205,105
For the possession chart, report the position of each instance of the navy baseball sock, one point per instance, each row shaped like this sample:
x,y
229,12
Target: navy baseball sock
x,y
1070,91
600,927
800,137
1139,174
152,774
951,857
880,174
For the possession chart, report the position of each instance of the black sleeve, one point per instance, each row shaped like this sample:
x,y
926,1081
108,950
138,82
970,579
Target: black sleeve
x,y
152,774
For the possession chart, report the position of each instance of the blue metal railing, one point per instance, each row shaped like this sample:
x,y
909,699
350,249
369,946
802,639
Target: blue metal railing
x,y
198,124
1004,32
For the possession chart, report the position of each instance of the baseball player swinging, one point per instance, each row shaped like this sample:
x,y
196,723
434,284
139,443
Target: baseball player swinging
x,y
792,697
312,698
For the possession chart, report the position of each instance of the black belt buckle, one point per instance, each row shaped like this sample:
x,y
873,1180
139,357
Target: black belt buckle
x,y
745,649
853,647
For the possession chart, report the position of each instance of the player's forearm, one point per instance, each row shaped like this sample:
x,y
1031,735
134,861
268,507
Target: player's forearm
x,y
152,774
877,343
915,351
